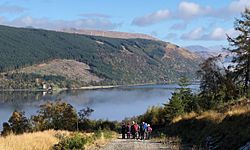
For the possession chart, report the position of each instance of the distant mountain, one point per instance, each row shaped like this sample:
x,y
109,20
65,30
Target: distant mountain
x,y
202,51
112,34
107,60
206,52
197,48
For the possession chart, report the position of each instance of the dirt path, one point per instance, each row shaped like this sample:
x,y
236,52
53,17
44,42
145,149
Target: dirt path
x,y
131,144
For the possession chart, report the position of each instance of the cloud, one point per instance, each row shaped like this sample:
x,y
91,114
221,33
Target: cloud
x,y
217,34
238,5
6,8
189,10
88,23
94,15
179,26
195,34
153,18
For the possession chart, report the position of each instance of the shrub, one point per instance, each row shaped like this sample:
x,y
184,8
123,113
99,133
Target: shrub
x,y
75,142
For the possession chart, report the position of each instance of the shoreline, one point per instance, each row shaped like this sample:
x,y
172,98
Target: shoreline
x,y
82,88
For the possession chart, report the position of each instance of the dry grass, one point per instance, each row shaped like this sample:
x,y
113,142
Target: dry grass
x,y
70,69
212,116
184,117
45,140
215,116
31,141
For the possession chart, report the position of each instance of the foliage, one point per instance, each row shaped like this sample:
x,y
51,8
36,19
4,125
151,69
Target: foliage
x,y
182,100
6,129
19,123
216,85
28,81
141,62
85,113
220,126
76,142
154,116
241,48
59,116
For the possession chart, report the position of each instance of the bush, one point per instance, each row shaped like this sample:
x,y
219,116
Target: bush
x,y
75,142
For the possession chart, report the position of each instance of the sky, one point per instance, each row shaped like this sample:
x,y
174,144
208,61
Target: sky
x,y
183,22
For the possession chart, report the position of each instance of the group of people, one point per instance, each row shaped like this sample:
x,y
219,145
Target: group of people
x,y
136,131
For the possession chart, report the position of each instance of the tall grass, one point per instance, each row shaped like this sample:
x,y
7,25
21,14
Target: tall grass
x,y
31,141
47,139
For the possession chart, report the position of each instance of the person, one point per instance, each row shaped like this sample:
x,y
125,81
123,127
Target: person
x,y
149,131
145,128
128,131
123,130
136,129
142,130
133,129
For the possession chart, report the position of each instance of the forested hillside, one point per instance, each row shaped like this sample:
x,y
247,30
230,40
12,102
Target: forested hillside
x,y
117,61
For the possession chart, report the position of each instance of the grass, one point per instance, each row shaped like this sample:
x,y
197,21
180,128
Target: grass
x,y
105,137
31,141
228,126
46,139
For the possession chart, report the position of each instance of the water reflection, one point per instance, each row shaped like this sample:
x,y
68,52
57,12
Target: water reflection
x,y
112,104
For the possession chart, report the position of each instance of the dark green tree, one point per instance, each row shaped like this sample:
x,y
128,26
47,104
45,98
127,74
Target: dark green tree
x,y
182,100
211,82
240,46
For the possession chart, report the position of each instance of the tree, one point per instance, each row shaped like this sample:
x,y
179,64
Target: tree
x,y
216,83
84,123
210,83
85,113
6,129
58,116
240,46
19,123
174,108
182,100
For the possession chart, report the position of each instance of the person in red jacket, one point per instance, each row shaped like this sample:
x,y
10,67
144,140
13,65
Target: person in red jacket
x,y
136,129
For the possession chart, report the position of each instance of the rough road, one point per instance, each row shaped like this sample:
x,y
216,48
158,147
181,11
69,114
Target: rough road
x,y
131,144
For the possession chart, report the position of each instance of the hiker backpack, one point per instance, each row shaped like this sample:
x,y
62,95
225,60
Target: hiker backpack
x,y
149,129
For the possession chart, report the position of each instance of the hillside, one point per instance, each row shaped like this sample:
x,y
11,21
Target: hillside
x,y
227,127
116,61
70,69
111,34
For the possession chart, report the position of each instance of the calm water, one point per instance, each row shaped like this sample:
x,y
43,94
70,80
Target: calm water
x,y
112,104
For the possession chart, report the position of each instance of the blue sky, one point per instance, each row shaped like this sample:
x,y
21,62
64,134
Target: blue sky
x,y
183,22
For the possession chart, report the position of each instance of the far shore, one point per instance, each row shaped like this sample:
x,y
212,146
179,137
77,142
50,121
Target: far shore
x,y
80,88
